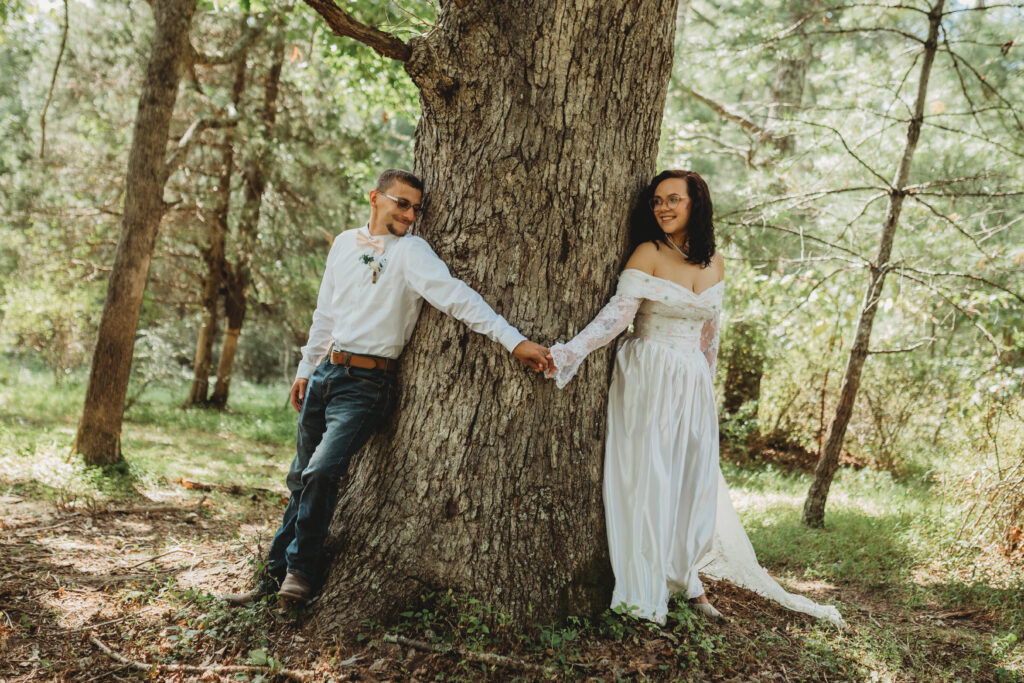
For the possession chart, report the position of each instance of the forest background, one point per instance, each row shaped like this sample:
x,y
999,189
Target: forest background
x,y
795,113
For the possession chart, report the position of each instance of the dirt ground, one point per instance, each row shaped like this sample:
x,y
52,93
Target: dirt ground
x,y
137,579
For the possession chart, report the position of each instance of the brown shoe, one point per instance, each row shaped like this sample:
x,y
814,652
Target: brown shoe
x,y
295,588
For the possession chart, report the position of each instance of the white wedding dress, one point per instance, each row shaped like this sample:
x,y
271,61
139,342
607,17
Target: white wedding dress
x,y
666,503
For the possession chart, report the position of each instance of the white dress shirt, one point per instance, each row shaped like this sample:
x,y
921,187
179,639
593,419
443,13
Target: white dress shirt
x,y
377,318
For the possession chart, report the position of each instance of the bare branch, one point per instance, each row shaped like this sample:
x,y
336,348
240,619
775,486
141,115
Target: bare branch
x,y
985,84
801,235
863,210
849,151
963,84
951,221
926,340
53,82
344,24
909,189
189,138
1012,5
817,194
899,86
1017,193
806,298
724,148
720,109
868,29
871,5
966,276
241,46
293,674
970,316
960,131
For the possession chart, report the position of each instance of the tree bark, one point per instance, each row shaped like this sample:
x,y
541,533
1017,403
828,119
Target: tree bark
x,y
214,254
239,275
814,506
540,123
99,432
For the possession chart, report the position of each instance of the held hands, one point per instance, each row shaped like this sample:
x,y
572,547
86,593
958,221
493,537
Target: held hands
x,y
551,366
298,393
533,356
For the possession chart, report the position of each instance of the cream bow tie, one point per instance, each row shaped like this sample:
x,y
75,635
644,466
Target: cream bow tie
x,y
364,241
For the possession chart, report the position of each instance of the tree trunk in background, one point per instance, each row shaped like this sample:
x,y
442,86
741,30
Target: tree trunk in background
x,y
814,506
787,91
488,479
239,275
213,255
99,432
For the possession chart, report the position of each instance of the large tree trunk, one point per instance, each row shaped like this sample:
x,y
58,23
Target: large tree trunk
x,y
99,432
239,276
540,123
214,254
814,506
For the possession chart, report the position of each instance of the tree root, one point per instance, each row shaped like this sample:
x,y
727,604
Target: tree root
x,y
293,674
481,657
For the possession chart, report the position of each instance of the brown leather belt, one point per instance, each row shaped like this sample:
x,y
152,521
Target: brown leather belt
x,y
366,362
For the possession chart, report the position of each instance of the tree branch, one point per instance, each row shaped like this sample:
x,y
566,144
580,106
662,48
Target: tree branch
x,y
763,133
905,349
816,194
293,674
53,82
469,655
849,151
344,24
985,84
948,219
188,139
242,45
803,236
966,276
981,328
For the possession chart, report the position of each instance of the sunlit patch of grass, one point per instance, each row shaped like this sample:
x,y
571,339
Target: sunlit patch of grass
x,y
250,445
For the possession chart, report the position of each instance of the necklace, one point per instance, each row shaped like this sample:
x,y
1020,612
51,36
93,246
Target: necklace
x,y
676,247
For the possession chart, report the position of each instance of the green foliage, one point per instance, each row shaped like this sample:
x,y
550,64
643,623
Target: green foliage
x,y
53,323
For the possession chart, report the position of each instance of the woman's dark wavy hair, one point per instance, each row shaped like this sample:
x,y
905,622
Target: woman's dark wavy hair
x,y
700,232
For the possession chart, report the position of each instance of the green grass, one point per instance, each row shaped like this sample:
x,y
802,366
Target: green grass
x,y
250,444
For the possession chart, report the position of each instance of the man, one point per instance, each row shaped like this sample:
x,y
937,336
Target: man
x,y
373,287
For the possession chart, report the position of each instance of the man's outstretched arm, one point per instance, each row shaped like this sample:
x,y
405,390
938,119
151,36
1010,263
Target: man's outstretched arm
x,y
429,277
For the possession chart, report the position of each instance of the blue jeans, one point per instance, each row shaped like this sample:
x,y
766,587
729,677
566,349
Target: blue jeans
x,y
342,408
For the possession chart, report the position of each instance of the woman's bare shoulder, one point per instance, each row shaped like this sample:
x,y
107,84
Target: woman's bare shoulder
x,y
644,258
718,264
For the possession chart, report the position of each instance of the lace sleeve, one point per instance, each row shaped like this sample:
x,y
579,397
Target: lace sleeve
x,y
709,340
615,317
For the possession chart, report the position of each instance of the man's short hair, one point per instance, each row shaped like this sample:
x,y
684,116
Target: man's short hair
x,y
385,179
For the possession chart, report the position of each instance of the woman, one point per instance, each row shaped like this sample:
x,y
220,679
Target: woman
x,y
666,505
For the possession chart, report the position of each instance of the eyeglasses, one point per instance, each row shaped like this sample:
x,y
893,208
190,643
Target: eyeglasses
x,y
671,202
405,204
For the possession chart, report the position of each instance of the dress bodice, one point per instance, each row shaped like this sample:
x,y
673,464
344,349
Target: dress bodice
x,y
679,317
660,310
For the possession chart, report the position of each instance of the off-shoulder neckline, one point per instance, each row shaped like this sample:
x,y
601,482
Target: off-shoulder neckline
x,y
676,284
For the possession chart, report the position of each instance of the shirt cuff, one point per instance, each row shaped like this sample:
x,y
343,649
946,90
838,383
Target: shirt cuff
x,y
511,338
305,370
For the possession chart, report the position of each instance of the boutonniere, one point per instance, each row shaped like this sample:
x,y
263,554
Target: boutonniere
x,y
377,266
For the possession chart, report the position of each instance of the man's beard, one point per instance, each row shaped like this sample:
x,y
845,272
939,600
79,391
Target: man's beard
x,y
391,228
